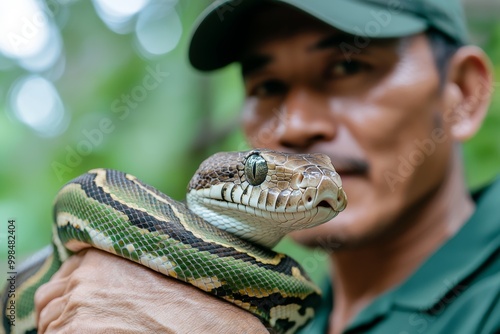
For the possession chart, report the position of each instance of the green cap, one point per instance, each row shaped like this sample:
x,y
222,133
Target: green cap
x,y
216,40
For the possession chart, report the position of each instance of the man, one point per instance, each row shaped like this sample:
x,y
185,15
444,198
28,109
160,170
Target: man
x,y
387,89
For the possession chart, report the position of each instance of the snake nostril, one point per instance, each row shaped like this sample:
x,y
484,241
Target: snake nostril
x,y
309,199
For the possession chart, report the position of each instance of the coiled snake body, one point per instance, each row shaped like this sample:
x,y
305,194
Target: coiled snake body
x,y
239,205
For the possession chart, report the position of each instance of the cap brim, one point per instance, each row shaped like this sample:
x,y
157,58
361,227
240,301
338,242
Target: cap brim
x,y
215,43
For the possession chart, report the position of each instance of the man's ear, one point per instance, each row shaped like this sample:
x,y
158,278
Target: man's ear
x,y
467,91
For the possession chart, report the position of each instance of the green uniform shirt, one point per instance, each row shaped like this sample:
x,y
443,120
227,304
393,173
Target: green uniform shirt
x,y
456,291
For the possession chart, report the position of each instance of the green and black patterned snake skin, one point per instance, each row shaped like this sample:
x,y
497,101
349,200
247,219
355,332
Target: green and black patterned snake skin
x,y
238,206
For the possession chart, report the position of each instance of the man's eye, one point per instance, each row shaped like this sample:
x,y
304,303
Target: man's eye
x,y
269,88
344,68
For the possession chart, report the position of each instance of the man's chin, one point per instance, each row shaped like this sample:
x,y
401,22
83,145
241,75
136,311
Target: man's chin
x,y
347,231
320,236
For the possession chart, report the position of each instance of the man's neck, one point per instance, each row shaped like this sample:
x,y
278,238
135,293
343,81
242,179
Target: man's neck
x,y
362,274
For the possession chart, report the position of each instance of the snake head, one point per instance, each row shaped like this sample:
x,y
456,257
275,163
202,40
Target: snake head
x,y
261,195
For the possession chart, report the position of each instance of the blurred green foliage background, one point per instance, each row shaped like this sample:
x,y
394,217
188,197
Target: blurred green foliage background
x,y
110,115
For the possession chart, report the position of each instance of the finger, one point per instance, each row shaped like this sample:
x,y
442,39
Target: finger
x,y
57,285
47,292
51,313
69,266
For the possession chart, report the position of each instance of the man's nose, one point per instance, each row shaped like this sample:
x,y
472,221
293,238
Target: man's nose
x,y
305,119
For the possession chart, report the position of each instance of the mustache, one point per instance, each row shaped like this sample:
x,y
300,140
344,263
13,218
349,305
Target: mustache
x,y
349,165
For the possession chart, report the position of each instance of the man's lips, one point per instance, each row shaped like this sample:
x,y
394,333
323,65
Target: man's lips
x,y
348,166
346,174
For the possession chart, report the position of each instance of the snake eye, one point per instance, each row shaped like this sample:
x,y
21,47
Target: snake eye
x,y
256,169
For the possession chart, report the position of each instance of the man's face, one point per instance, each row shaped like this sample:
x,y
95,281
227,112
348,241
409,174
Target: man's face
x,y
377,111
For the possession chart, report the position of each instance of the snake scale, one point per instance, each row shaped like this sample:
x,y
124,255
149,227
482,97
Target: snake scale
x,y
238,206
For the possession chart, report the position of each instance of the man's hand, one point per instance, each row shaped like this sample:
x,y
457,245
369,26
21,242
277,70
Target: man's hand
x,y
95,292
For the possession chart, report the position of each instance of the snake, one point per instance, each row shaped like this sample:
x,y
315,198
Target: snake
x,y
238,206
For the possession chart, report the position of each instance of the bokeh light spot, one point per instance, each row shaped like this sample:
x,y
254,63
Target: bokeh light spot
x,y
158,30
35,102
